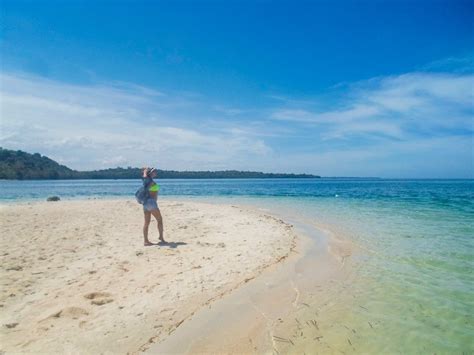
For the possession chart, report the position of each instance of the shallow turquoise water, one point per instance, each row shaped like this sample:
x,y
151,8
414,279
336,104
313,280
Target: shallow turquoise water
x,y
415,280
416,237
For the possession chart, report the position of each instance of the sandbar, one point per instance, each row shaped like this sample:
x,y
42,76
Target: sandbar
x,y
76,278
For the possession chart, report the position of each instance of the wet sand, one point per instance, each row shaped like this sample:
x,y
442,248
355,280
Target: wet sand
x,y
287,309
75,276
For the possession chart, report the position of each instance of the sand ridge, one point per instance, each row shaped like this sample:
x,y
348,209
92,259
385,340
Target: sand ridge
x,y
75,276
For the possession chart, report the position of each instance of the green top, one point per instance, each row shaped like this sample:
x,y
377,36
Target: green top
x,y
154,188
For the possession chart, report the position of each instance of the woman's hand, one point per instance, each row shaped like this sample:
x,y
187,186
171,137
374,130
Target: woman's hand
x,y
144,172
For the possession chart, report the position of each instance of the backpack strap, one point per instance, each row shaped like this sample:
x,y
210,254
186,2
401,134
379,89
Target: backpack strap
x,y
147,181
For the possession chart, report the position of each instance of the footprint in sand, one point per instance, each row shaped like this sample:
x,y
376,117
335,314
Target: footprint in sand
x,y
71,312
99,298
204,244
15,268
68,312
10,325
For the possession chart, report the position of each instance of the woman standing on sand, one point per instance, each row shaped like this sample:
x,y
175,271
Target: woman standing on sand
x,y
150,206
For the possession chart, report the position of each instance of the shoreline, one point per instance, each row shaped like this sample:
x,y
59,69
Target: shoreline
x,y
259,317
73,277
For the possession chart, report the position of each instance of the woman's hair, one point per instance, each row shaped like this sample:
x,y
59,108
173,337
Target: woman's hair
x,y
149,171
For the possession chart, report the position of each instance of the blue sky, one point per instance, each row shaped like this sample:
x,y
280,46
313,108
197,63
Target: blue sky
x,y
336,88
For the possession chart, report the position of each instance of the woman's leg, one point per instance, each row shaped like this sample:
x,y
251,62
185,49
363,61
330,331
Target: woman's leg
x,y
145,227
159,220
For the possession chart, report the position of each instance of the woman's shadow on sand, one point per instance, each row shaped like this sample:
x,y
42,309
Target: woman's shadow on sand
x,y
170,244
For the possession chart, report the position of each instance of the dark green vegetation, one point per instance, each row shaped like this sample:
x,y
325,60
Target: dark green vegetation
x,y
19,165
24,166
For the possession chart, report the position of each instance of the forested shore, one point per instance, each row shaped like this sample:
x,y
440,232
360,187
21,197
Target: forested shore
x,y
19,165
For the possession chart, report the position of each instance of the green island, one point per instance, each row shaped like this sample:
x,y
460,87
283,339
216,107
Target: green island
x,y
19,165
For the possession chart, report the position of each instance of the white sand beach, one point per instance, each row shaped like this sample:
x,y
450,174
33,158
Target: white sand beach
x,y
75,276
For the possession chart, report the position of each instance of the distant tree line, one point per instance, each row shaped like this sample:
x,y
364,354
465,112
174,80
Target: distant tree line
x,y
19,165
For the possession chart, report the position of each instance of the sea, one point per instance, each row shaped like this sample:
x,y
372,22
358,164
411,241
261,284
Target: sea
x,y
413,273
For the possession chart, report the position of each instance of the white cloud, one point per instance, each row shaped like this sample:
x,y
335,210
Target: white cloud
x,y
338,116
411,125
229,111
397,106
452,64
422,89
90,127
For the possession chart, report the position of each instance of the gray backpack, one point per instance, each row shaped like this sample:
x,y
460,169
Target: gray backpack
x,y
142,193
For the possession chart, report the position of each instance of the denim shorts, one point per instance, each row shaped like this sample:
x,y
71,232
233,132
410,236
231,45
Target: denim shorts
x,y
150,205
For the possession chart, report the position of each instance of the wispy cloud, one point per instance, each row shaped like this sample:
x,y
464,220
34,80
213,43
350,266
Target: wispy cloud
x,y
463,64
401,107
337,116
229,111
417,124
102,126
